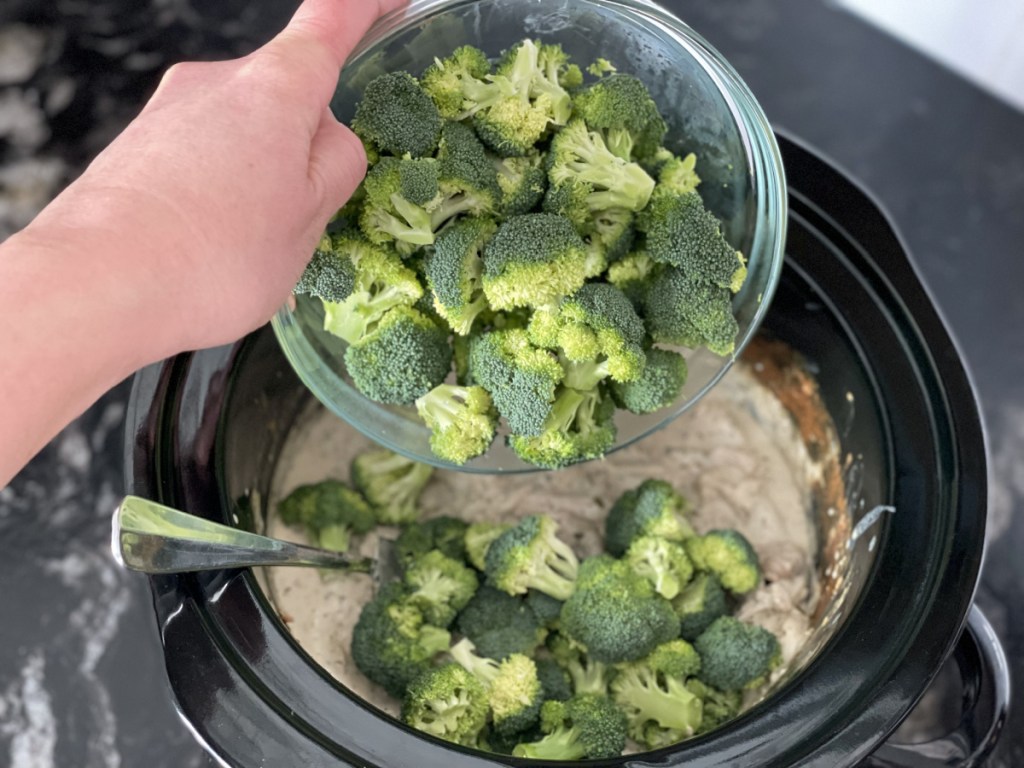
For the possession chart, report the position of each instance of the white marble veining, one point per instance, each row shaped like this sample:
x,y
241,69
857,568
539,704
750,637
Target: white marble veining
x,y
26,716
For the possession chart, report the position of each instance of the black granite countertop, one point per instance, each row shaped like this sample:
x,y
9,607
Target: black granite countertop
x,y
81,678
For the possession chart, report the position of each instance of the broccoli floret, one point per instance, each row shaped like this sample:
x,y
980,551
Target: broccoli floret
x,y
443,533
330,512
578,155
601,67
652,693
555,682
458,82
447,702
513,689
391,483
546,608
462,421
662,562
418,179
439,586
659,385
387,215
523,182
728,555
330,274
586,726
699,603
397,116
391,644
478,539
460,358
596,327
382,283
677,175
719,706
736,655
523,98
616,614
621,108
500,624
404,357
683,233
653,508
454,272
586,673
631,274
531,556
468,182
580,427
520,377
569,200
611,232
678,310
532,260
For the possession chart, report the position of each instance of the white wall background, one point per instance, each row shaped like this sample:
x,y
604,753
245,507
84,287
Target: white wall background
x,y
983,40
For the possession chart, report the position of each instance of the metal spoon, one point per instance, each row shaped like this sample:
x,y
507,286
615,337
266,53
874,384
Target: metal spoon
x,y
152,538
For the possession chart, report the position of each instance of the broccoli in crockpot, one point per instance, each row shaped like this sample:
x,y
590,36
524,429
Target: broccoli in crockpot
x,y
529,236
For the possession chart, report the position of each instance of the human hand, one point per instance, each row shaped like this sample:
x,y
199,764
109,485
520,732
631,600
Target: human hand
x,y
209,204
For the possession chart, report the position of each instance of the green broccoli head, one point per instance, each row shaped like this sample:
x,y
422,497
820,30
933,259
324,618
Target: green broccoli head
x,y
659,385
677,175
468,181
579,155
728,555
513,688
403,358
391,643
719,706
662,562
523,182
532,260
735,655
439,586
587,726
442,533
569,199
462,421
554,680
652,693
546,608
458,82
447,702
698,604
418,179
330,274
620,107
382,282
500,624
678,310
596,326
580,427
387,215
586,673
520,377
611,232
531,556
616,614
397,116
330,511
681,232
454,272
391,483
654,508
478,539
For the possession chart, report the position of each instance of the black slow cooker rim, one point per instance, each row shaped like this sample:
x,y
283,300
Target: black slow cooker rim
x,y
786,732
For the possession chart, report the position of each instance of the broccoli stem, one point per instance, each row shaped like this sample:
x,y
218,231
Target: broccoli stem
x,y
419,230
445,404
354,318
560,744
585,376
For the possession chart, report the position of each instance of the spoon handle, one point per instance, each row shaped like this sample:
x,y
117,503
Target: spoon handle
x,y
152,538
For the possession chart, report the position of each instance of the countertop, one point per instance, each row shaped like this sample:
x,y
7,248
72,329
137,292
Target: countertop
x,y
81,678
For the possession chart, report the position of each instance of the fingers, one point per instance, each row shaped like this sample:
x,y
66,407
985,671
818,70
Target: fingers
x,y
320,37
337,163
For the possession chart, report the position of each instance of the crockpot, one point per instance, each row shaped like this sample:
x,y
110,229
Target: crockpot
x,y
204,430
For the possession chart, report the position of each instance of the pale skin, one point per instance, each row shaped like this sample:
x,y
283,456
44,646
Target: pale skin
x,y
188,231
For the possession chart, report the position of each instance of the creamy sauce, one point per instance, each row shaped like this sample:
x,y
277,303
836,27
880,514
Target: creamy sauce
x,y
737,456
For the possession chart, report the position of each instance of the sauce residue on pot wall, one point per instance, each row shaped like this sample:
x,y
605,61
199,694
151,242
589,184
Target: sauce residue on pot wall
x,y
738,455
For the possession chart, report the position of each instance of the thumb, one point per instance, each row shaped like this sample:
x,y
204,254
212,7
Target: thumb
x,y
337,163
320,37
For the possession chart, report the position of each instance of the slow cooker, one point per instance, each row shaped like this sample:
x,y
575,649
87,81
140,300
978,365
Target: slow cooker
x,y
204,429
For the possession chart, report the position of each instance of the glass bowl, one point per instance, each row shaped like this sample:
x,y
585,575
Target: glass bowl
x,y
709,110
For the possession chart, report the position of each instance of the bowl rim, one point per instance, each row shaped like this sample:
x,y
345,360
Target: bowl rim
x,y
768,183
791,727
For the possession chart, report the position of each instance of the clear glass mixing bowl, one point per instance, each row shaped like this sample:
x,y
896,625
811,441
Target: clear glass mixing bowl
x,y
708,108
